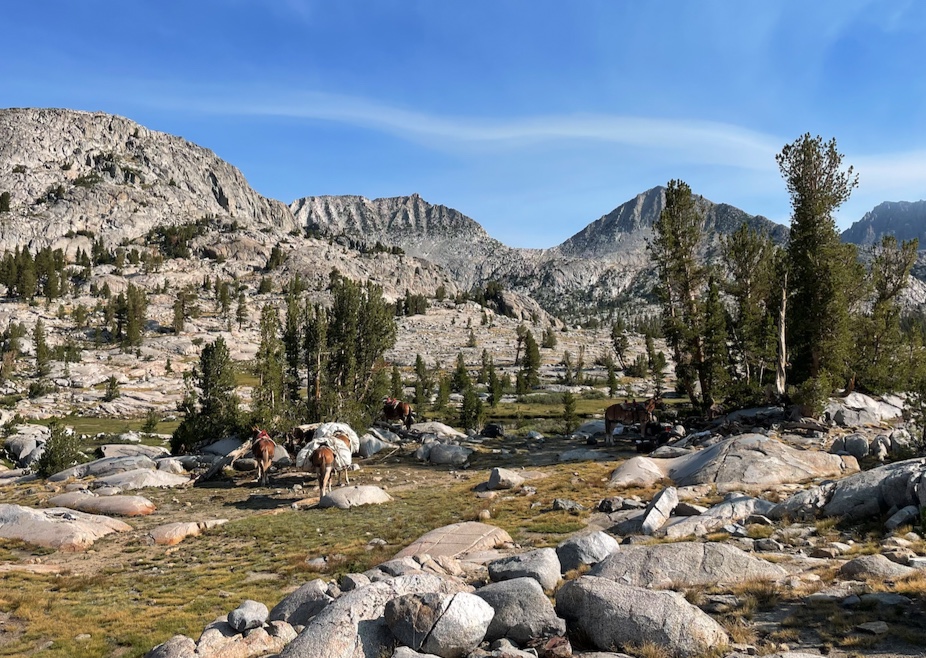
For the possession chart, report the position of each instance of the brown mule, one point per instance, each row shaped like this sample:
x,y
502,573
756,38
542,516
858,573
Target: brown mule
x,y
263,447
398,410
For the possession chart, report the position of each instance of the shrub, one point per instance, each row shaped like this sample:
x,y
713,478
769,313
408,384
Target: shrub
x,y
39,388
152,418
811,395
112,389
62,451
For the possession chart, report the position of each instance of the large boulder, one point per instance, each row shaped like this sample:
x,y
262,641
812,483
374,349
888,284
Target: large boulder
x,y
861,495
171,534
448,454
353,625
221,639
857,409
303,604
874,566
87,501
659,510
522,611
504,478
447,625
541,564
438,429
734,509
140,479
250,614
354,496
26,444
132,450
56,527
457,540
609,615
684,563
746,461
587,549
106,466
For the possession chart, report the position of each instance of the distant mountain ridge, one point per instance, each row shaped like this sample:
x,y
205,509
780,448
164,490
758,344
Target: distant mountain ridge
x,y
603,266
430,231
904,220
71,174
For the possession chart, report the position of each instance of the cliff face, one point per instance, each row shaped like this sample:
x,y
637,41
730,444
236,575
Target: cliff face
x,y
433,232
81,171
905,220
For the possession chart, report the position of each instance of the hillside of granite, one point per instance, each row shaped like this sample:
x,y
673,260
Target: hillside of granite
x,y
69,171
905,220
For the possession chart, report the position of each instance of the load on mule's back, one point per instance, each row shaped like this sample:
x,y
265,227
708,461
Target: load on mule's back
x,y
329,452
398,410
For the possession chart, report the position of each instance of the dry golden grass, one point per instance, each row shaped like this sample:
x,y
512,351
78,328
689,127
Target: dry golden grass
x,y
739,630
648,650
757,531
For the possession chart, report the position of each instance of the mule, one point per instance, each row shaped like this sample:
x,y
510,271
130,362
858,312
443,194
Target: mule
x,y
263,447
328,458
398,410
627,413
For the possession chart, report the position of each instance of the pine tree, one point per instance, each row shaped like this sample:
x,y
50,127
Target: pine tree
x,y
612,380
42,353
210,405
396,387
461,380
422,382
749,258
496,386
472,412
112,389
620,341
568,378
443,391
716,352
820,266
569,412
530,369
292,346
241,314
881,362
269,394
681,279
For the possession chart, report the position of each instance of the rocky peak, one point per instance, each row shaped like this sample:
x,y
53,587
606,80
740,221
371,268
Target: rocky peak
x,y
903,219
424,230
69,171
630,226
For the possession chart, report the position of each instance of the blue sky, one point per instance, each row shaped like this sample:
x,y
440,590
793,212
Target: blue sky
x,y
532,117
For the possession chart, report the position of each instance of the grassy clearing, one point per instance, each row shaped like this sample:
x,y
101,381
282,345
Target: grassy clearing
x,y
92,426
125,596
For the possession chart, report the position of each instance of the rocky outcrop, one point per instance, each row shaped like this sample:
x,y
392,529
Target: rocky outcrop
x,y
92,172
684,563
612,615
862,495
746,461
56,527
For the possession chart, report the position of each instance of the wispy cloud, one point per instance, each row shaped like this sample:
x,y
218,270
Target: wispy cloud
x,y
685,139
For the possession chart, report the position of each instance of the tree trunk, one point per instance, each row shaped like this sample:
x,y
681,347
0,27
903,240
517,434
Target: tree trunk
x,y
780,373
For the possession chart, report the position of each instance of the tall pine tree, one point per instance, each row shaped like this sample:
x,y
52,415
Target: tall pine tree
x,y
822,270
